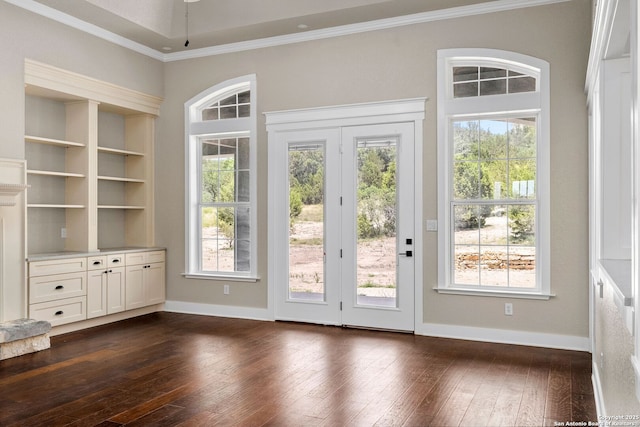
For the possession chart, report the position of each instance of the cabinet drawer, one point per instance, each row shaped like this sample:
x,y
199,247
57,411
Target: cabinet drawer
x,y
155,256
145,257
115,260
49,288
60,312
57,266
97,262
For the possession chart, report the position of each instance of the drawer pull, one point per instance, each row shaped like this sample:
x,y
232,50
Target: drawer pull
x,y
97,262
115,260
59,313
59,287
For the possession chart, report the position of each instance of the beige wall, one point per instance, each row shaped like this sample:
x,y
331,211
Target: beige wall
x,y
394,64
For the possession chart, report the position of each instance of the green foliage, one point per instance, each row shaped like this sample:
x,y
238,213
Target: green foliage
x,y
306,175
490,155
521,222
467,218
295,204
218,185
376,192
376,187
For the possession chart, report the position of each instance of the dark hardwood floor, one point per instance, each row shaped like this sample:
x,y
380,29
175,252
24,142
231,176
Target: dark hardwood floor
x,y
168,369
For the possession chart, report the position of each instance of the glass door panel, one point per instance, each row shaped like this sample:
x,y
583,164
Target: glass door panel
x,y
376,223
306,221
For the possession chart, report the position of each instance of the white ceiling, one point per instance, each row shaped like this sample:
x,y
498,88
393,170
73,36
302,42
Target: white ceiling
x,y
161,24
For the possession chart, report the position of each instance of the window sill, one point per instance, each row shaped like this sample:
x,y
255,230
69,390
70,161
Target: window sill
x,y
221,277
616,274
493,293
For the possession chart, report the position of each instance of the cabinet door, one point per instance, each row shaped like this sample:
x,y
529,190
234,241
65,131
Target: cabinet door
x,y
96,293
154,282
134,287
115,290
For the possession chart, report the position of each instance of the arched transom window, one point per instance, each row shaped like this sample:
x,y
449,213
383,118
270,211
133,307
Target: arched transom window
x,y
489,79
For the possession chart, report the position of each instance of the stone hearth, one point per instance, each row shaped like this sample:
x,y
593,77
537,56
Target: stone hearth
x,y
22,336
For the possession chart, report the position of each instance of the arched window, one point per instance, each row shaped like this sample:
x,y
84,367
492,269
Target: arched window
x,y
221,181
493,144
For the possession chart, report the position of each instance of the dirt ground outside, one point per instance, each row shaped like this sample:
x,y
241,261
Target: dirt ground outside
x,y
377,259
376,266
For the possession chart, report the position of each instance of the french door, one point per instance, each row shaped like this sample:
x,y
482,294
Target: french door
x,y
344,225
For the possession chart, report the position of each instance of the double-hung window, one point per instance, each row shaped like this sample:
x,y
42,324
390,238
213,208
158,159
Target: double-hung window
x,y
221,181
493,147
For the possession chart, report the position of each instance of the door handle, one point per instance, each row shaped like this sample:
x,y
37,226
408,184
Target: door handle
x,y
408,254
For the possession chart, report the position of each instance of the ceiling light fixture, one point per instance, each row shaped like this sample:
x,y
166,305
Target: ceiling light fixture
x,y
186,19
186,22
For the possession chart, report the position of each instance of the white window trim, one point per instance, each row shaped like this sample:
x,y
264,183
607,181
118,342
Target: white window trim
x,y
529,103
195,128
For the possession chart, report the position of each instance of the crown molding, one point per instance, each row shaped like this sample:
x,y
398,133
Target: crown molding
x,y
343,30
44,76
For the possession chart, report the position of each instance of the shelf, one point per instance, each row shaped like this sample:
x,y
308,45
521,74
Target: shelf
x,y
120,179
121,207
55,206
119,152
619,273
51,141
51,173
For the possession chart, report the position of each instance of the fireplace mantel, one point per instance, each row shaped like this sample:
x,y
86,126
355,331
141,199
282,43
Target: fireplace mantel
x,y
13,216
8,193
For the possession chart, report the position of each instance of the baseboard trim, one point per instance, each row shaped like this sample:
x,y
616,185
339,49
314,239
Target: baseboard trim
x,y
504,336
235,312
104,320
597,390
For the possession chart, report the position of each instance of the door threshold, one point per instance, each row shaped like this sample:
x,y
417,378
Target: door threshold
x,y
369,328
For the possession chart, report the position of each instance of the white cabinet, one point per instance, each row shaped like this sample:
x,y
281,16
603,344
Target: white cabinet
x,y
145,279
155,283
57,290
105,286
64,290
115,290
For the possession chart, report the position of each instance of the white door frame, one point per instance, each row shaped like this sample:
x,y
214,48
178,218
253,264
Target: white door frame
x,y
336,117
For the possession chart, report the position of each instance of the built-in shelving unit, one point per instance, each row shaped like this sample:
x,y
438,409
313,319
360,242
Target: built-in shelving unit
x,y
611,189
89,151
